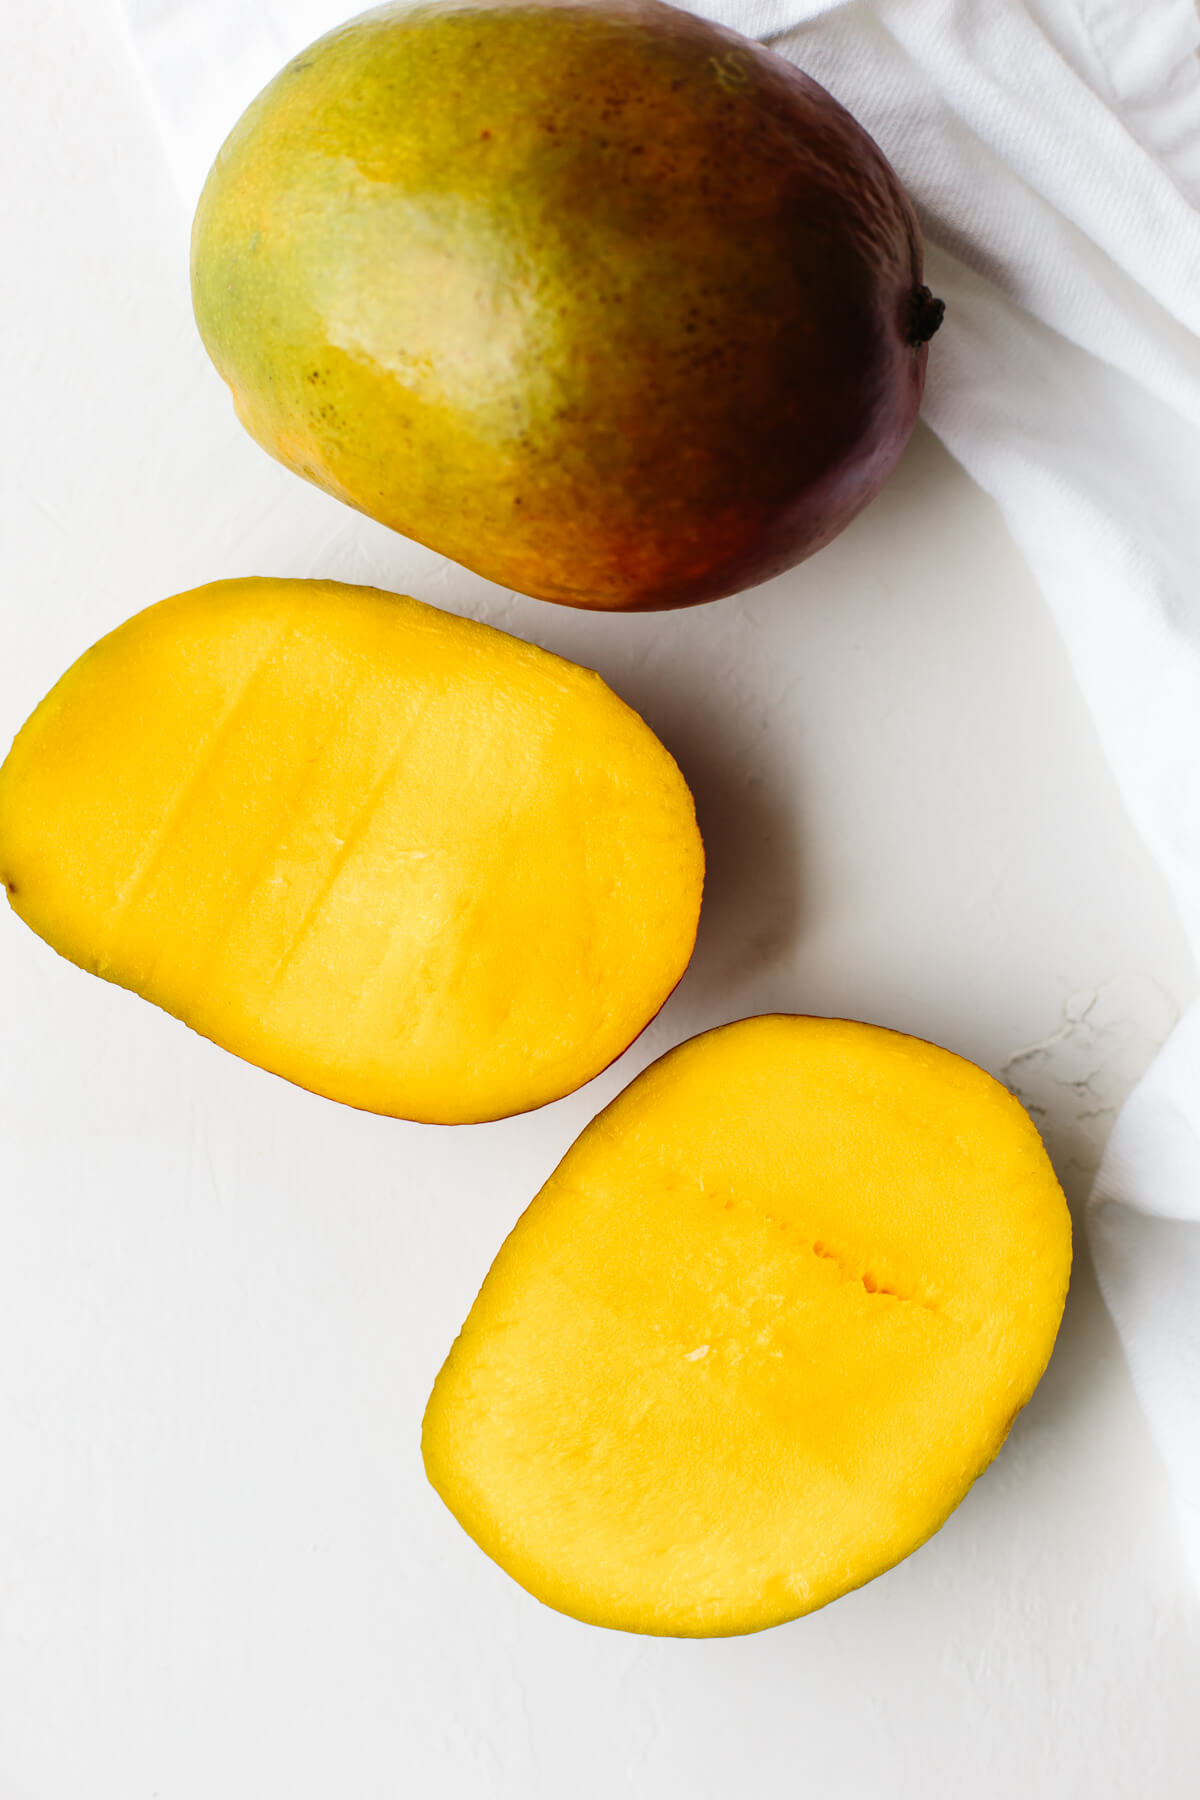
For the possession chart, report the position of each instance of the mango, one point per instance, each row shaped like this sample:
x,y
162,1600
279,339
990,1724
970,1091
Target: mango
x,y
398,857
599,299
773,1313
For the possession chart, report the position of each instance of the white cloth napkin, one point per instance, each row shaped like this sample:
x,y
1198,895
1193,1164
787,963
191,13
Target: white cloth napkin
x,y
1053,150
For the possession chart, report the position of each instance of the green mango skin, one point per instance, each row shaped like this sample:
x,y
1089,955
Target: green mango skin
x,y
594,297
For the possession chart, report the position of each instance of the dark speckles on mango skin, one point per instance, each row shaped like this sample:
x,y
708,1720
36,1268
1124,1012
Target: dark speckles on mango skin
x,y
597,299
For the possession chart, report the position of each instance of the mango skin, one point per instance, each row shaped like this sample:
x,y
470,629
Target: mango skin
x,y
773,1313
599,299
401,858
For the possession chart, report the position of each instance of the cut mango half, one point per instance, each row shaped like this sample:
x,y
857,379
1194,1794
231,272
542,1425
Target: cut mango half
x,y
401,858
773,1313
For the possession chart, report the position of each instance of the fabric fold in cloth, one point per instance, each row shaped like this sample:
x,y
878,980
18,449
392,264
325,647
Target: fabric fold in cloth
x,y
1052,148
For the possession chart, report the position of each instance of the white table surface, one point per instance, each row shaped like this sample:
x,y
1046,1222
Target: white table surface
x,y
223,1301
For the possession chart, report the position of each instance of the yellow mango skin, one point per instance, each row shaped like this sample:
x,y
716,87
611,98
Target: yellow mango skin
x,y
600,300
770,1317
401,858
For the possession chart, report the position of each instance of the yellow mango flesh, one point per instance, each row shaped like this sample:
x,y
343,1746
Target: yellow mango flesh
x,y
770,1317
396,856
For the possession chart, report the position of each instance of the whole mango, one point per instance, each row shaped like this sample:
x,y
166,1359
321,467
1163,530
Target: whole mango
x,y
593,296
